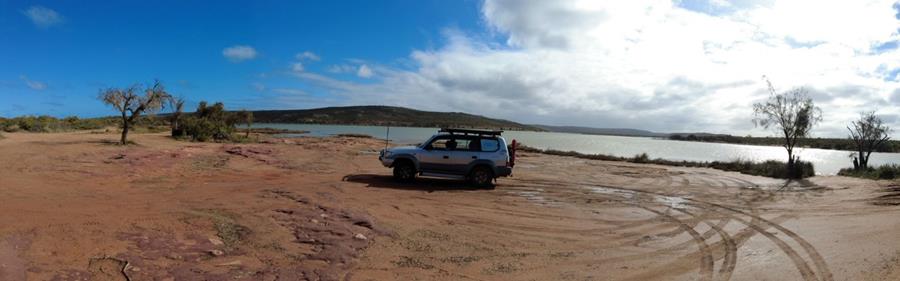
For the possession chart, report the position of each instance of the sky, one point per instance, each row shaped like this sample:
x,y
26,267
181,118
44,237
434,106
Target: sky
x,y
667,66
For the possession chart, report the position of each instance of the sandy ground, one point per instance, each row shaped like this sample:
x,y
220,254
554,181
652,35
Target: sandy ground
x,y
75,207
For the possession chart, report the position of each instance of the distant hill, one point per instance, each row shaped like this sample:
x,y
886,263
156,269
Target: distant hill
x,y
602,131
386,116
698,134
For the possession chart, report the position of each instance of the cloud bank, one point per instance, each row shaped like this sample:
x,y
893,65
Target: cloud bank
x,y
649,64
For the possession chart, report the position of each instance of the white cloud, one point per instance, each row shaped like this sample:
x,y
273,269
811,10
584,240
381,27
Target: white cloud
x,y
239,53
43,17
307,55
720,3
259,87
342,68
288,91
297,67
364,71
649,64
34,85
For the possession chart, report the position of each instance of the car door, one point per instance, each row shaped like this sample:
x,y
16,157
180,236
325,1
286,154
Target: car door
x,y
436,157
467,150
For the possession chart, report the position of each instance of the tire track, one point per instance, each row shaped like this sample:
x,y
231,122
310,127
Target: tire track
x,y
706,259
729,261
760,225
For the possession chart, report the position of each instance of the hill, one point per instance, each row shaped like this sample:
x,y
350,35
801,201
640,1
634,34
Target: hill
x,y
602,131
386,116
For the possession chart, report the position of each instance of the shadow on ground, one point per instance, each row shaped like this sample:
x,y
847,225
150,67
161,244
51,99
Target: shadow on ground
x,y
423,184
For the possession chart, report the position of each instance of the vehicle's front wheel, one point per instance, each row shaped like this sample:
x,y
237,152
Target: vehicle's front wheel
x,y
404,172
482,176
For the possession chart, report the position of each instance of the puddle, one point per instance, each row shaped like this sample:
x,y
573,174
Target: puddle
x,y
535,197
612,191
670,201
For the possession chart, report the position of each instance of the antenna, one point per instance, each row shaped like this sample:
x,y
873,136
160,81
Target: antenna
x,y
387,137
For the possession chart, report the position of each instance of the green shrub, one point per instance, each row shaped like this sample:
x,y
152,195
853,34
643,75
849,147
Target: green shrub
x,y
641,158
49,124
209,123
886,172
883,172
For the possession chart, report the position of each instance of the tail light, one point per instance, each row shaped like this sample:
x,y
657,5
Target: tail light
x,y
512,154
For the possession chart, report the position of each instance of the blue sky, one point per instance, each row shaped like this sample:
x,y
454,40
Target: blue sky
x,y
661,65
57,67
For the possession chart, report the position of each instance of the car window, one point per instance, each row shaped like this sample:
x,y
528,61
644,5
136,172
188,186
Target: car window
x,y
467,144
440,144
461,143
490,145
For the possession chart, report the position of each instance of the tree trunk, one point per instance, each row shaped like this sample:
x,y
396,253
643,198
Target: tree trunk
x,y
790,164
863,160
790,159
125,127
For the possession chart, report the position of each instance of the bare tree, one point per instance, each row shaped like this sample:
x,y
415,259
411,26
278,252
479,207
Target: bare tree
x,y
131,103
868,133
177,105
791,114
246,117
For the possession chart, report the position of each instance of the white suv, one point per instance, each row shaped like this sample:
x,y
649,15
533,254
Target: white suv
x,y
474,155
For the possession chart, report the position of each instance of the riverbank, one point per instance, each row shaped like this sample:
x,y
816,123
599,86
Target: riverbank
x,y
819,143
770,168
78,207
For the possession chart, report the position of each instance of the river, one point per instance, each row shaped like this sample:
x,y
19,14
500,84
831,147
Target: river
x,y
827,162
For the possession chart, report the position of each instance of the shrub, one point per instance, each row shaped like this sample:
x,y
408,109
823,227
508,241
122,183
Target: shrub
x,y
641,158
886,172
48,124
209,123
883,172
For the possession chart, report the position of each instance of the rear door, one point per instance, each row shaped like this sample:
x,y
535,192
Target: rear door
x,y
468,149
491,148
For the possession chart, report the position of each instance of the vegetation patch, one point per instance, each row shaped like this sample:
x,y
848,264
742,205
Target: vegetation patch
x,y
227,229
361,136
883,172
771,168
272,131
207,162
412,262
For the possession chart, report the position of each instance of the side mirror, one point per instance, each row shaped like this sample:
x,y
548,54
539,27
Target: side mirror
x,y
428,147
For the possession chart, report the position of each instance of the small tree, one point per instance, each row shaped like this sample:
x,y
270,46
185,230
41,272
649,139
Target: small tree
x,y
209,122
177,105
245,117
791,114
130,103
868,133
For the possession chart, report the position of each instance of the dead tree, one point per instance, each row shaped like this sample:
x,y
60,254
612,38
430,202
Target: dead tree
x,y
130,102
177,105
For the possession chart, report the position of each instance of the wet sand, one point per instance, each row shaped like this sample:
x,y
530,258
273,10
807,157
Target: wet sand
x,y
76,207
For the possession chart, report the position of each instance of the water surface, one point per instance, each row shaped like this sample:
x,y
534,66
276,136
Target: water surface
x,y
827,162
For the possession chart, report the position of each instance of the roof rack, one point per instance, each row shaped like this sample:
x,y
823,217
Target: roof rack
x,y
470,132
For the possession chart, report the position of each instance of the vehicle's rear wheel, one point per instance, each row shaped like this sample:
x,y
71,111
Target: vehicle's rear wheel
x,y
404,171
482,176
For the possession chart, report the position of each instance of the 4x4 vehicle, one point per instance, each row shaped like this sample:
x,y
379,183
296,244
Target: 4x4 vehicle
x,y
474,155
